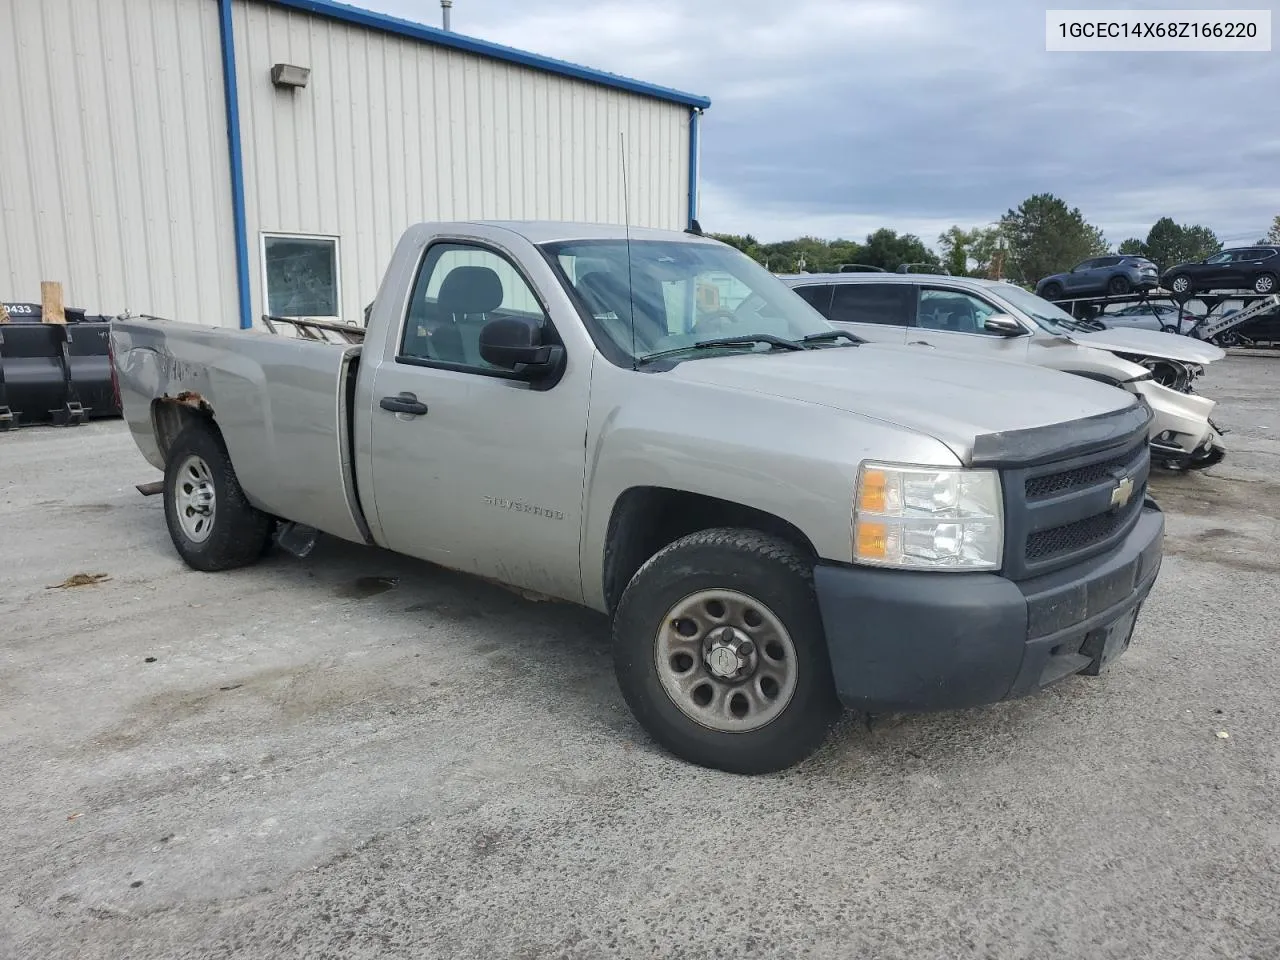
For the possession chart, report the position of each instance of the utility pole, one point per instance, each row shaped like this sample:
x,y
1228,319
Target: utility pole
x,y
997,262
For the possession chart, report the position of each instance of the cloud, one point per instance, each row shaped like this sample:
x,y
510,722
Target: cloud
x,y
834,117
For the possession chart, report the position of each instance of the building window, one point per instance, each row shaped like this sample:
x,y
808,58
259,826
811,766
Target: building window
x,y
301,275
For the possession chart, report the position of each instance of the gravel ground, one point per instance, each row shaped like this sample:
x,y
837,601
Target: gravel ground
x,y
358,755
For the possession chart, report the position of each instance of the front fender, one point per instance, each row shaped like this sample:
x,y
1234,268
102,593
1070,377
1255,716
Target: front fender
x,y
794,460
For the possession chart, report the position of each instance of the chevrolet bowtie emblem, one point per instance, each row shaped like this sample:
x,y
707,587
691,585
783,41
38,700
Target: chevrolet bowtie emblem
x,y
1121,494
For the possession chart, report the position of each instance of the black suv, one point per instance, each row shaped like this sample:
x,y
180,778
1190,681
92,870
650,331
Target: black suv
x,y
1240,268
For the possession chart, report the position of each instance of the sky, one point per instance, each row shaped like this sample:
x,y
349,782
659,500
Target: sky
x,y
832,118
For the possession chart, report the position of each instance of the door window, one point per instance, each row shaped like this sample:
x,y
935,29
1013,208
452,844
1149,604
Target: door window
x,y
951,311
458,290
885,303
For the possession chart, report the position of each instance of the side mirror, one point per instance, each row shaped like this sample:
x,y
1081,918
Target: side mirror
x,y
1003,324
516,345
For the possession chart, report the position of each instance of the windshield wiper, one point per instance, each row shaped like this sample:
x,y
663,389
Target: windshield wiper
x,y
779,342
831,335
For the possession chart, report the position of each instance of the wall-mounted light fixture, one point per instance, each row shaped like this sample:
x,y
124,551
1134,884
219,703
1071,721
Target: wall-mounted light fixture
x,y
287,75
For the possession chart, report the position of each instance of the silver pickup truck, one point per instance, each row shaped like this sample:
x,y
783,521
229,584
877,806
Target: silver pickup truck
x,y
778,518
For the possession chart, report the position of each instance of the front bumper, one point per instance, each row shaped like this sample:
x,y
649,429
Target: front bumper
x,y
901,640
1181,431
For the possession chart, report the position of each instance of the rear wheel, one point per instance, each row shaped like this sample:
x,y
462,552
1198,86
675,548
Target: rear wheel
x,y
1118,286
212,524
1264,283
720,652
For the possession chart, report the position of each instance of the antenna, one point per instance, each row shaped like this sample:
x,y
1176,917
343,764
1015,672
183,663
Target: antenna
x,y
626,220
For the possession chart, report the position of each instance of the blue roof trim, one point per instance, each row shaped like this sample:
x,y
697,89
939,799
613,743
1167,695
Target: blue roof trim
x,y
444,38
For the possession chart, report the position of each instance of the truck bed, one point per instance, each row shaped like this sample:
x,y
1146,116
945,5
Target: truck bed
x,y
283,406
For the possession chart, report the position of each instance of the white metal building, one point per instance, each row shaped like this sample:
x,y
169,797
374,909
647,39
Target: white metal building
x,y
159,156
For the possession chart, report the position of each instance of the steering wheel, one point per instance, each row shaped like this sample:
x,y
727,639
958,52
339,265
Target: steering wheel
x,y
717,320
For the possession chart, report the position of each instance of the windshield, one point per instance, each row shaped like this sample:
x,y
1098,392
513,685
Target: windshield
x,y
684,293
1045,314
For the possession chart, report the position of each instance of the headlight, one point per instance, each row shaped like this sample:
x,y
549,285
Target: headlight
x,y
933,518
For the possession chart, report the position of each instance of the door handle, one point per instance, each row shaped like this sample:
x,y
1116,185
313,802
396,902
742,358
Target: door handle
x,y
919,343
404,403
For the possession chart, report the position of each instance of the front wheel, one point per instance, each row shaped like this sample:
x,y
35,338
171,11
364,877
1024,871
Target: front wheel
x,y
1181,287
1052,291
211,522
720,652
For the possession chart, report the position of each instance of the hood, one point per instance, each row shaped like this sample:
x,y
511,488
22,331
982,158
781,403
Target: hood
x,y
1151,343
953,398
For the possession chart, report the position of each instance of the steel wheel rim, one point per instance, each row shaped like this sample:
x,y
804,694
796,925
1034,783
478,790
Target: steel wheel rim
x,y
194,499
726,661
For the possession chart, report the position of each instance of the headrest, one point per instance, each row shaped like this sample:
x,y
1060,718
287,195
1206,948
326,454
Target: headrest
x,y
470,290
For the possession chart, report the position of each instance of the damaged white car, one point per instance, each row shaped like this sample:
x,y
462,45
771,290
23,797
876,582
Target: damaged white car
x,y
1002,321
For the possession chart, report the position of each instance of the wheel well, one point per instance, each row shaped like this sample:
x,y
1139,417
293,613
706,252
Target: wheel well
x,y
171,415
646,519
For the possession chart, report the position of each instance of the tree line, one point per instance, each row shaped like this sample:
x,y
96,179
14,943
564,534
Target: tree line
x,y
1040,236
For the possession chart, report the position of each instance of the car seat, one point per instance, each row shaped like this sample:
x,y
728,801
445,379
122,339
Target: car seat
x,y
467,296
952,314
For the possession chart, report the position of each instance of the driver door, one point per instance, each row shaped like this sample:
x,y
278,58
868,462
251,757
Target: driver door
x,y
1081,277
484,474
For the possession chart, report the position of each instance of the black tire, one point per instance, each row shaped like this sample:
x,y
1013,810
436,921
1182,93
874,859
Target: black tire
x,y
1052,291
1187,292
238,532
1264,283
776,576
1119,285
